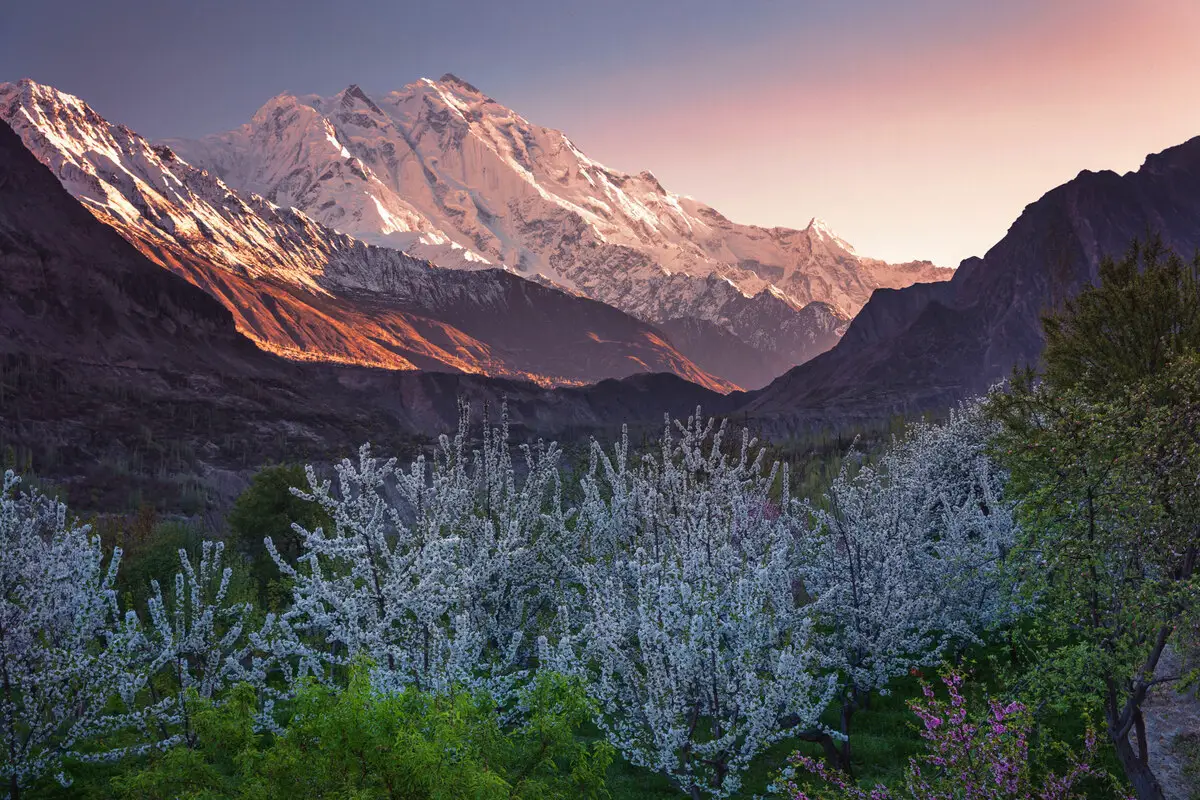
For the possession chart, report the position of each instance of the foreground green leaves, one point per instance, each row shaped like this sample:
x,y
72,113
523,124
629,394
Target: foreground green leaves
x,y
359,743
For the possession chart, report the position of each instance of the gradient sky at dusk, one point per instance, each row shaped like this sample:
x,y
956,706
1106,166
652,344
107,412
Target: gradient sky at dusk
x,y
917,129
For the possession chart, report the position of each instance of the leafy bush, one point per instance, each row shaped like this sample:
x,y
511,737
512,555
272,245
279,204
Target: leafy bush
x,y
268,508
363,743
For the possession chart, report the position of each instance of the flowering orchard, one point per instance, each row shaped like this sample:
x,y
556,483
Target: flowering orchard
x,y
706,612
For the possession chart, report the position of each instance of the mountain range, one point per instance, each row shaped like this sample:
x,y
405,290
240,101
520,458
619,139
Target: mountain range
x,y
87,308
441,171
121,379
305,291
250,218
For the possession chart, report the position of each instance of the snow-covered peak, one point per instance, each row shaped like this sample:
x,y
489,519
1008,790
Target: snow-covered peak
x,y
445,172
353,97
459,86
820,229
30,91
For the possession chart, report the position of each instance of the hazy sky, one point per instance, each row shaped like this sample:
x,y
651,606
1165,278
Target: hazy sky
x,y
917,129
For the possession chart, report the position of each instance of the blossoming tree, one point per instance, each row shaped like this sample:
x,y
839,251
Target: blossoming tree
x,y
203,641
687,628
435,573
66,654
903,559
975,756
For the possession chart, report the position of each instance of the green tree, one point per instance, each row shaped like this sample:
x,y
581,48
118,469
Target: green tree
x,y
268,508
1103,453
1140,316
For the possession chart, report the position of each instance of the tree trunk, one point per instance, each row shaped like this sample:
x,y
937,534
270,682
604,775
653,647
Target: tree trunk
x,y
14,790
847,710
1137,771
833,755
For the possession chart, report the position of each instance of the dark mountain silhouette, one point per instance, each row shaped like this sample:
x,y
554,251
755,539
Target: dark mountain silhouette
x,y
928,345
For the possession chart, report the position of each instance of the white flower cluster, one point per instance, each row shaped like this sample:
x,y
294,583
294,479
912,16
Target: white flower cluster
x,y
435,573
707,612
688,630
205,642
65,651
903,554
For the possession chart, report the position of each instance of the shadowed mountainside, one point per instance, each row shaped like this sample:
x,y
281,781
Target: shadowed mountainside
x,y
928,345
124,381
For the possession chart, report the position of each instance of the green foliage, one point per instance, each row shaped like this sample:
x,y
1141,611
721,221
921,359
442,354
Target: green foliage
x,y
1188,748
358,743
1129,327
1103,454
267,509
150,550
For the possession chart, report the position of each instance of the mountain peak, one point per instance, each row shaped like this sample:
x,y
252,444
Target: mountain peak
x,y
451,78
818,225
28,87
352,95
820,228
649,178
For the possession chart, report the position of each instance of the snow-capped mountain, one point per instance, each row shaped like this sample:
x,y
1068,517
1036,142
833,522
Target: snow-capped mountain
x,y
299,288
444,172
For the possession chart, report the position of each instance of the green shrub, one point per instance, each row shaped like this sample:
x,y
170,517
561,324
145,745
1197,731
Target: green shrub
x,y
267,509
361,744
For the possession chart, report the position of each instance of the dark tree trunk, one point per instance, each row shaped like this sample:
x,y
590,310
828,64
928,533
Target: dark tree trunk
x,y
847,710
1141,778
1136,763
837,756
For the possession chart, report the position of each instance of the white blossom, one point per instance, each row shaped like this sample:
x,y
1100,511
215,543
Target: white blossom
x,y
65,651
688,632
437,572
903,554
204,641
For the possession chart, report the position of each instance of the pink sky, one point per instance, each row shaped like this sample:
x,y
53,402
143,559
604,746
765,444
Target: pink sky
x,y
913,138
915,128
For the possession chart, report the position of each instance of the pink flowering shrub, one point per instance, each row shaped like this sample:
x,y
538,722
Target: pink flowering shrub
x,y
981,756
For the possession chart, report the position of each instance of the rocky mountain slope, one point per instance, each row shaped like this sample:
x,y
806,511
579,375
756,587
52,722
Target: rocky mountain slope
x,y
300,289
444,172
930,344
126,384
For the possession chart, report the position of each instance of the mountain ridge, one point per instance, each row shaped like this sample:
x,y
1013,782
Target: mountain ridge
x,y
927,346
302,290
442,171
